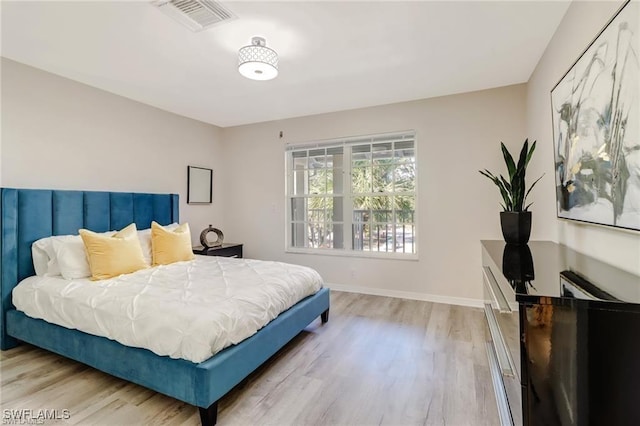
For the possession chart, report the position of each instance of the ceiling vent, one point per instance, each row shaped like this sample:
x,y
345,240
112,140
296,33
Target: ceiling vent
x,y
197,15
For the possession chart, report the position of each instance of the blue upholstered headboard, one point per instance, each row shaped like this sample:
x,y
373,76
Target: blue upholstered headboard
x,y
27,215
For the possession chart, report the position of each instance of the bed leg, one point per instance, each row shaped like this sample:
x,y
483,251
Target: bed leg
x,y
209,416
325,316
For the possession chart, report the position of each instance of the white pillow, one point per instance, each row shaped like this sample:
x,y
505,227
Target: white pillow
x,y
40,259
52,255
71,258
44,257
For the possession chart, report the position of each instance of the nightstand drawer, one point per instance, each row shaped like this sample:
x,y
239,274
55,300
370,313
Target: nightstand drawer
x,y
225,250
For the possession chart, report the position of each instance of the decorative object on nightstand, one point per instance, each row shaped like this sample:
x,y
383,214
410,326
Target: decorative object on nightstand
x,y
515,220
224,250
205,241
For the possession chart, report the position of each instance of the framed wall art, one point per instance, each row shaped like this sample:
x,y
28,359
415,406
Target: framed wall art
x,y
199,185
596,128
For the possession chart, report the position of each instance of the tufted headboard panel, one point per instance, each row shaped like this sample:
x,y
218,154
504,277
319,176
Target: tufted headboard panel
x,y
27,215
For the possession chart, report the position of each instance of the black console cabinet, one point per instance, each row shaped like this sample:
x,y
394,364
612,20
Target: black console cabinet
x,y
564,329
225,250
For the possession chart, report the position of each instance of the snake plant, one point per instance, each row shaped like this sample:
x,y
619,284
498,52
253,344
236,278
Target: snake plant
x,y
513,191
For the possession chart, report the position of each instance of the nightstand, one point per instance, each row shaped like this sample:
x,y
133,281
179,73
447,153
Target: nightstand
x,y
225,250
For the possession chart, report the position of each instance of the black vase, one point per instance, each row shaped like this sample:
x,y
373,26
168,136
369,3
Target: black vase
x,y
516,227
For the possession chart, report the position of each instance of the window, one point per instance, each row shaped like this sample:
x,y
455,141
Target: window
x,y
356,194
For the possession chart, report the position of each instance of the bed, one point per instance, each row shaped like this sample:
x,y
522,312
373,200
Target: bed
x,y
29,214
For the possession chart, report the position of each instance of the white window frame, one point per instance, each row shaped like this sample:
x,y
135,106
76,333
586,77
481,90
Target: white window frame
x,y
348,196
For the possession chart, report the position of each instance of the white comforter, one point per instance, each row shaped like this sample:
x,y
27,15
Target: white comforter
x,y
188,310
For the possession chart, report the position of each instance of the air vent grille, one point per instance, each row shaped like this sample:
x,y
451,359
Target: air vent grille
x,y
197,15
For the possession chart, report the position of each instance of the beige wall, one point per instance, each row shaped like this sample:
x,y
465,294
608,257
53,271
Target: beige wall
x,y
57,133
456,135
60,134
578,28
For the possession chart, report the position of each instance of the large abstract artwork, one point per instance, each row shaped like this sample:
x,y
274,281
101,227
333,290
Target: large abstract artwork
x,y
596,128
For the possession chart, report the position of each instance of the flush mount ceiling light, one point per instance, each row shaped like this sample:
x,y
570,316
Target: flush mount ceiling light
x,y
257,61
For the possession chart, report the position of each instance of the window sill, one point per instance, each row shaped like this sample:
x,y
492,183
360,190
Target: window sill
x,y
352,253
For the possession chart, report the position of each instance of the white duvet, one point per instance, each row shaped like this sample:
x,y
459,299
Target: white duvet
x,y
188,310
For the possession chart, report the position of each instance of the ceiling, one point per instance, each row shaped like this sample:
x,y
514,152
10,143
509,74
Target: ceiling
x,y
332,55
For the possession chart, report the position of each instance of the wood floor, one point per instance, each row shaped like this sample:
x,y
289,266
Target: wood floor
x,y
377,361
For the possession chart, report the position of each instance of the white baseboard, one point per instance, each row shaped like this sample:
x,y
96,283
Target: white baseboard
x,y
461,301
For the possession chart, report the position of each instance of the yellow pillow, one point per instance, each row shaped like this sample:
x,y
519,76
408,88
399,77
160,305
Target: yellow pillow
x,y
111,256
170,246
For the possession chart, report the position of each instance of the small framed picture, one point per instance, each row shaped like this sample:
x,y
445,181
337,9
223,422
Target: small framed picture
x,y
199,185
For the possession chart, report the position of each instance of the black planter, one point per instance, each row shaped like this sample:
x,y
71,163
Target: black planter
x,y
516,227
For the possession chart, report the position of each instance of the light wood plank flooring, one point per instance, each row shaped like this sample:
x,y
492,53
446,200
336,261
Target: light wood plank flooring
x,y
379,360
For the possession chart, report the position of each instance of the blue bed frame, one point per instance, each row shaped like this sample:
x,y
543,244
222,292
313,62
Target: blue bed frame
x,y
29,214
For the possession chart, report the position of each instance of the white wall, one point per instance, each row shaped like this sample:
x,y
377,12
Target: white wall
x,y
582,22
456,135
60,134
57,133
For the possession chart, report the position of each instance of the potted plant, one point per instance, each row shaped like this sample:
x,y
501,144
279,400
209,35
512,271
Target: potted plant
x,y
515,218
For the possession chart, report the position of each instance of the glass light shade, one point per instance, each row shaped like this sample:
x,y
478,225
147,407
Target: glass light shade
x,y
257,61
